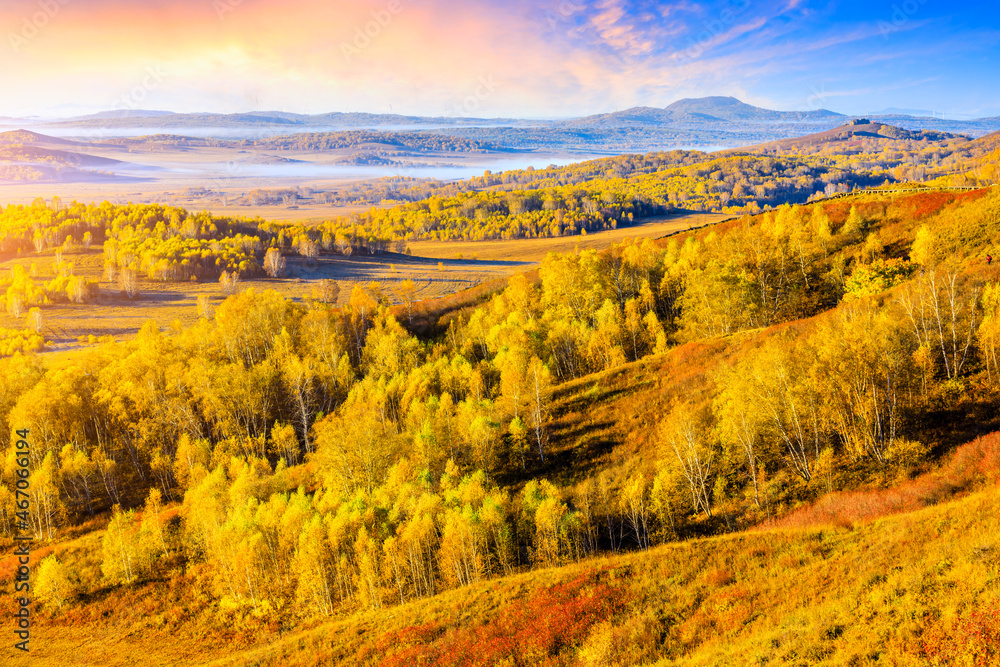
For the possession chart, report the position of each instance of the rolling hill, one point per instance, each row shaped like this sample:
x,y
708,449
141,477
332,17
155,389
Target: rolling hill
x,y
34,157
733,110
853,135
708,121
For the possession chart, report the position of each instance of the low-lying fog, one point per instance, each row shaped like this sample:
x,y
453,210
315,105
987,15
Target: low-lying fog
x,y
309,171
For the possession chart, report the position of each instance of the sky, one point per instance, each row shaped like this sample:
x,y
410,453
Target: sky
x,y
478,58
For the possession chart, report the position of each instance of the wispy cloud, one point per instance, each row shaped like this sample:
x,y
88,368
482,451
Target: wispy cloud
x,y
548,57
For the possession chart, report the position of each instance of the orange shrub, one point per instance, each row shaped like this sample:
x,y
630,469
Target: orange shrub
x,y
972,465
544,630
974,642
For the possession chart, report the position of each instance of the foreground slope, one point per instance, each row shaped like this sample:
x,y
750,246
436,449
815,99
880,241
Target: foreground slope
x,y
916,588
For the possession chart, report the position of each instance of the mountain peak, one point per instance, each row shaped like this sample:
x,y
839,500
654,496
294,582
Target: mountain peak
x,y
732,109
713,100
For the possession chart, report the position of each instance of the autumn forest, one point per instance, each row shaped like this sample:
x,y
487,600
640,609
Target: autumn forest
x,y
661,450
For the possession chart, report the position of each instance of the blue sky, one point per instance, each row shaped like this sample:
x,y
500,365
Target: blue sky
x,y
519,58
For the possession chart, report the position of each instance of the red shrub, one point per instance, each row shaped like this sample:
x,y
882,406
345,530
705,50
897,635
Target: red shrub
x,y
972,465
405,646
536,631
975,641
927,203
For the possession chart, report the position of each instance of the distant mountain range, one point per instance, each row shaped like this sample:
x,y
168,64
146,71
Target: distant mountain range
x,y
254,119
707,110
706,122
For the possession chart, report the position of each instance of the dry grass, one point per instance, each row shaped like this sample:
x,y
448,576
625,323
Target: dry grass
x,y
890,592
98,644
901,590
971,465
534,250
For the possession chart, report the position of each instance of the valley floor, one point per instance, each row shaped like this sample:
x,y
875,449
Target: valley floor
x,y
437,268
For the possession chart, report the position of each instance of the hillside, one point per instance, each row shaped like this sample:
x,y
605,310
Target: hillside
x,y
922,589
925,589
812,165
854,136
291,468
33,157
37,153
28,138
978,162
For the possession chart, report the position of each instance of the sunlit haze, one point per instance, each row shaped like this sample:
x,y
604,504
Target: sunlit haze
x,y
517,58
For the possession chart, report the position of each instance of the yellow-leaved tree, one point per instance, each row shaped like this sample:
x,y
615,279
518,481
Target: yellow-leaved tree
x,y
989,332
53,584
684,436
120,562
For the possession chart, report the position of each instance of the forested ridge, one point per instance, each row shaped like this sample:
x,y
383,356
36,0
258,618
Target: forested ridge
x,y
878,154
297,461
172,243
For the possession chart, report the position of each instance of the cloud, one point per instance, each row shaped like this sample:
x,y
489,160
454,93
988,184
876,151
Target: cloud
x,y
618,29
547,57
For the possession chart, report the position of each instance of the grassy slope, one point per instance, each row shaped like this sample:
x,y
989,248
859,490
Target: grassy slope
x,y
898,590
892,591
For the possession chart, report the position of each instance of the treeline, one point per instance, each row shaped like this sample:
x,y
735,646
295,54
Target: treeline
x,y
892,154
39,226
163,242
402,189
173,244
733,184
326,141
886,151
